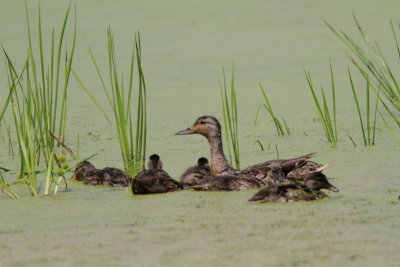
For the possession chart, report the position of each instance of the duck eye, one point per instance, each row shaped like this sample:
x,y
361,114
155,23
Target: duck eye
x,y
203,122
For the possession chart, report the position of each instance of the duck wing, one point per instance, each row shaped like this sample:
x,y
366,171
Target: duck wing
x,y
275,171
228,183
283,163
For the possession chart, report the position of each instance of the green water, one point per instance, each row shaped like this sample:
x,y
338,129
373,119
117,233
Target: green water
x,y
185,46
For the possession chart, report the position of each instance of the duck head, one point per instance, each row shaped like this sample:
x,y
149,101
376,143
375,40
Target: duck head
x,y
203,162
154,162
82,170
207,126
317,181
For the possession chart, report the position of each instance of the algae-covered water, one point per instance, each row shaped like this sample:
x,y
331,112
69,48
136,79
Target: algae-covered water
x,y
185,44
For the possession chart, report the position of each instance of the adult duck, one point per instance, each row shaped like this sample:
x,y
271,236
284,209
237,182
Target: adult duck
x,y
154,180
86,172
310,190
268,172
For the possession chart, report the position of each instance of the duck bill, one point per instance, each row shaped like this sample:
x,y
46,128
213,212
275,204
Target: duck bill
x,y
333,188
73,177
185,132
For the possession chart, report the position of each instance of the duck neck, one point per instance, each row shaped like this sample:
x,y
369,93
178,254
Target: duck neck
x,y
219,163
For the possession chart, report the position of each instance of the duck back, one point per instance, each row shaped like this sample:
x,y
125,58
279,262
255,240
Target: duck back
x,y
154,182
228,183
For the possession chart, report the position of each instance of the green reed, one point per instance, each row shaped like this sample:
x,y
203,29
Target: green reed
x,y
368,132
328,121
132,138
38,93
229,110
370,61
368,58
28,149
278,124
6,189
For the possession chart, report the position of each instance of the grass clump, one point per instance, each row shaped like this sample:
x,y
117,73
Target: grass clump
x,y
368,58
38,94
132,138
229,110
278,124
326,114
370,61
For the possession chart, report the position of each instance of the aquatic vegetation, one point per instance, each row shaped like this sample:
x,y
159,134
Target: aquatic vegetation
x,y
327,120
6,189
63,167
38,93
132,138
278,124
370,61
229,110
368,136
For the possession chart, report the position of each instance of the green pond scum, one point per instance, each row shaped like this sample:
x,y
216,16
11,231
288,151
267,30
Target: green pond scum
x,y
184,45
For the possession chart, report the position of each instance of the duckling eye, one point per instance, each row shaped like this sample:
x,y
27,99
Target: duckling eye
x,y
203,122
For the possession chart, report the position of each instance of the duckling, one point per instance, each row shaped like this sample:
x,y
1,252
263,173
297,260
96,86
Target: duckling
x,y
154,180
210,128
86,172
310,190
228,183
196,174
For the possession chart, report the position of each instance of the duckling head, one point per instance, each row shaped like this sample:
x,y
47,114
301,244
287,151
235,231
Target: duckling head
x,y
208,126
317,181
203,162
154,162
82,170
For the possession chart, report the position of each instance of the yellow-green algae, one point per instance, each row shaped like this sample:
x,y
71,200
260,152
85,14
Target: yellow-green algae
x,y
185,44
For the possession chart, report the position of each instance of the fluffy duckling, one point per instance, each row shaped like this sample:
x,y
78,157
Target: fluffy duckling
x,y
196,174
310,190
228,183
86,172
154,180
210,128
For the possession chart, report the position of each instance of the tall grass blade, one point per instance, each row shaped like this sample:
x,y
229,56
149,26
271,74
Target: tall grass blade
x,y
230,113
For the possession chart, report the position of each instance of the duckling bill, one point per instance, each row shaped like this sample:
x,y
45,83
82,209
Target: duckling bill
x,y
154,180
310,190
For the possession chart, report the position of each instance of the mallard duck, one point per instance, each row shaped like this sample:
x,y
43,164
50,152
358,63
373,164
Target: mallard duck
x,y
310,190
228,183
210,128
154,180
86,172
196,174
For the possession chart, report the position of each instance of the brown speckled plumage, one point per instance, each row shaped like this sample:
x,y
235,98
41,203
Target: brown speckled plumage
x,y
270,172
196,174
154,180
86,172
310,190
228,183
